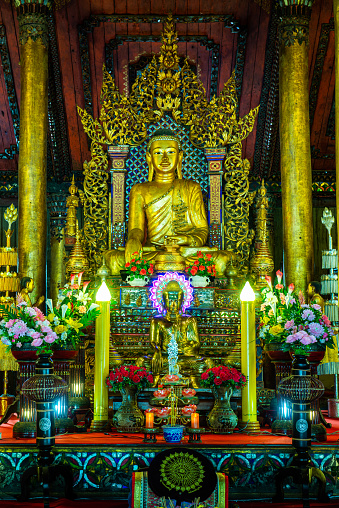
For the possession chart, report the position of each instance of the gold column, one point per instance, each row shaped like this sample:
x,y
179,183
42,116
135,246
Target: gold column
x,y
336,98
33,40
101,351
249,419
57,278
296,173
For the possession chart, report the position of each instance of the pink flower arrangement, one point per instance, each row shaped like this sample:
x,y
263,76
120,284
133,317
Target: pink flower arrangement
x,y
129,375
286,319
27,325
223,376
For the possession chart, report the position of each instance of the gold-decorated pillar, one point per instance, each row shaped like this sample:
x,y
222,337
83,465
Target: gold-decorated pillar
x,y
118,155
296,174
336,99
33,41
215,158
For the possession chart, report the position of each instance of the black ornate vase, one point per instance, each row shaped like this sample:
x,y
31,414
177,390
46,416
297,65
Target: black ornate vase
x,y
222,418
128,418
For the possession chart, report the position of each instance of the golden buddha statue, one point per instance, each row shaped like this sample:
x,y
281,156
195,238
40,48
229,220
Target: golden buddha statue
x,y
313,292
26,287
184,329
72,204
166,208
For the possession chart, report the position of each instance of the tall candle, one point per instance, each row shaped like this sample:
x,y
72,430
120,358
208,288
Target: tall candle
x,y
149,420
195,420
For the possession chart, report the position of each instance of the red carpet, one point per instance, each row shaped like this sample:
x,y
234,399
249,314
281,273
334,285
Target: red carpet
x,y
265,437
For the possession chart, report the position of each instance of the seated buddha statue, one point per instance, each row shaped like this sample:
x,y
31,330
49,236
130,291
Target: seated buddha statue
x,y
184,329
166,207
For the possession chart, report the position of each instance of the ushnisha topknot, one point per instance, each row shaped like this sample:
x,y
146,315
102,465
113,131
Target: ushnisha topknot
x,y
163,134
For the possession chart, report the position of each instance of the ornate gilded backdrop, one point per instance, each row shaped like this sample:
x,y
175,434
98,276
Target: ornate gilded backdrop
x,y
166,93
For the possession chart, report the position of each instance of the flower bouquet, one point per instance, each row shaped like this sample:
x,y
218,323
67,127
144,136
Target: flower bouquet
x,y
129,379
26,325
73,312
131,375
222,376
286,319
138,269
223,380
203,266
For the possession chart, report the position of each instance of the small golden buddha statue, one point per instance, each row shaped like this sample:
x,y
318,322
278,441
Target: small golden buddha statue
x,y
313,292
184,328
26,287
166,207
72,204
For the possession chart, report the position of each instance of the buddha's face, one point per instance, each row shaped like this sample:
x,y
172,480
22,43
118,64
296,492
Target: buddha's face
x,y
164,156
310,290
30,286
173,301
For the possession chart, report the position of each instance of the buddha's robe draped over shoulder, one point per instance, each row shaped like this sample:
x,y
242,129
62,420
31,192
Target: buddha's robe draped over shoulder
x,y
179,210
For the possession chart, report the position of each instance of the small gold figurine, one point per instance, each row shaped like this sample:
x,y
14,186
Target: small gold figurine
x,y
72,204
26,287
313,292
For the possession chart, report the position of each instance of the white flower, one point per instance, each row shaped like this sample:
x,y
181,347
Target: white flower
x,y
279,319
93,306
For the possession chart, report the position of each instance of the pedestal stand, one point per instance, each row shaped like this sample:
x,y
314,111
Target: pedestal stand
x,y
194,435
300,388
150,435
44,388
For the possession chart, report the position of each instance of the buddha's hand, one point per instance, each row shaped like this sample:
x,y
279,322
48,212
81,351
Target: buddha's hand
x,y
179,239
39,302
157,361
132,246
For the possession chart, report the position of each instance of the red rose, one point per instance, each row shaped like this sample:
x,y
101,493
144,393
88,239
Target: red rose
x,y
202,268
150,378
127,265
138,262
143,271
111,375
133,260
217,381
196,262
204,375
199,254
209,256
194,270
209,269
136,379
150,270
134,268
223,376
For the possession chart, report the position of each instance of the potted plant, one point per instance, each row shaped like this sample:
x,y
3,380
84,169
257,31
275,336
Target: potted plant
x,y
201,270
73,312
222,380
129,380
138,271
289,323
